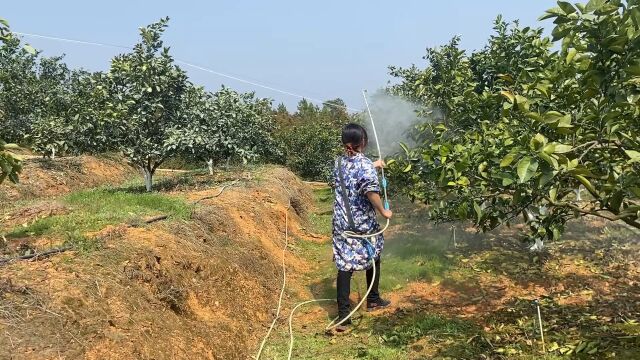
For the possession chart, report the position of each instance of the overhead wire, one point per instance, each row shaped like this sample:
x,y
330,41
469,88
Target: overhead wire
x,y
191,65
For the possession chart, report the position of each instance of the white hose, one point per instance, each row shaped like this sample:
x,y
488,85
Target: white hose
x,y
332,325
284,276
375,135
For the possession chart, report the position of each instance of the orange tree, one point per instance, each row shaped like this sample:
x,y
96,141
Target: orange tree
x,y
146,92
516,127
309,139
9,163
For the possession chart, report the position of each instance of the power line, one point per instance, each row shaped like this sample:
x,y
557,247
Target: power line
x,y
72,40
201,68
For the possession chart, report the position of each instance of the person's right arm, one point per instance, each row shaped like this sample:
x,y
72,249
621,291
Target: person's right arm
x,y
376,201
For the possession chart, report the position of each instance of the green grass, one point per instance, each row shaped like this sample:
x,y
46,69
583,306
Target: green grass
x,y
412,257
408,257
424,325
92,210
381,339
321,219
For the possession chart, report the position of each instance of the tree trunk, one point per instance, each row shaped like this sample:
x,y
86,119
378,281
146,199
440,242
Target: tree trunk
x,y
227,165
578,192
53,153
210,166
148,178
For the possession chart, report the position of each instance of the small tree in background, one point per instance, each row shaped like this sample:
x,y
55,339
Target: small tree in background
x,y
51,128
9,163
20,95
90,114
310,141
226,124
146,89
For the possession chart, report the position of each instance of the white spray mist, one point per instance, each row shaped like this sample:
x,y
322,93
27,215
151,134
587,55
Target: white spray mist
x,y
395,118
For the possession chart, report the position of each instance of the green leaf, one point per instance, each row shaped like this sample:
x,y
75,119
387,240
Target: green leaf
x,y
560,32
633,155
478,210
547,15
405,148
28,48
565,121
566,7
506,181
547,175
509,96
553,194
549,159
581,346
526,169
552,116
593,5
616,201
537,142
523,103
508,159
557,148
407,168
587,184
571,54
535,116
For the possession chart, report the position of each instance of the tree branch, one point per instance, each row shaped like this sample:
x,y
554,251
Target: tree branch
x,y
36,255
623,217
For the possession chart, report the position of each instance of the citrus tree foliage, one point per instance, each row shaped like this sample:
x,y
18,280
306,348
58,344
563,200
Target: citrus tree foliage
x,y
310,138
146,90
9,164
50,127
224,125
255,128
516,127
20,88
90,114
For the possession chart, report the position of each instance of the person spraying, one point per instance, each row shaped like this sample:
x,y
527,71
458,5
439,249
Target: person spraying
x,y
357,198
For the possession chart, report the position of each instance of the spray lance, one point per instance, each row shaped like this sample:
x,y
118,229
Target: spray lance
x,y
375,134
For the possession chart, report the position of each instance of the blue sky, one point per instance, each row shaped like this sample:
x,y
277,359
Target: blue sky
x,y
321,49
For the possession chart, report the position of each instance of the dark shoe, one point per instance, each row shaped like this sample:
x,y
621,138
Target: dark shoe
x,y
377,304
342,328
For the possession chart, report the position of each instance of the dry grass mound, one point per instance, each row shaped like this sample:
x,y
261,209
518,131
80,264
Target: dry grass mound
x,y
46,178
197,288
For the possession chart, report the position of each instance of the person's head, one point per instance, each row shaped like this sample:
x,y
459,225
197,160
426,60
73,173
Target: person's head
x,y
354,138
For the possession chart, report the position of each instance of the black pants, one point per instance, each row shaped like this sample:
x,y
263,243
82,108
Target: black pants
x,y
344,288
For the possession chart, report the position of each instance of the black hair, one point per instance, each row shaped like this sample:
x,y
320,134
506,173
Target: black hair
x,y
354,135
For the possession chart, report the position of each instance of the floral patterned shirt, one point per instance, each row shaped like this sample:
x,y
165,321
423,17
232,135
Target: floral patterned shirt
x,y
360,178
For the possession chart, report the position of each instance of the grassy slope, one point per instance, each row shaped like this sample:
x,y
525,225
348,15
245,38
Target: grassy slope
x,y
414,254
93,210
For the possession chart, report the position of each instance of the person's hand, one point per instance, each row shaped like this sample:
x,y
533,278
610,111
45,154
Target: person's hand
x,y
378,164
387,214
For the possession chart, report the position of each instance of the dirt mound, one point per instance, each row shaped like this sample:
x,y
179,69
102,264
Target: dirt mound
x,y
45,178
199,289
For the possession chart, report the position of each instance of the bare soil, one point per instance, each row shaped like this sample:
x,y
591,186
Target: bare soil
x,y
42,178
202,288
